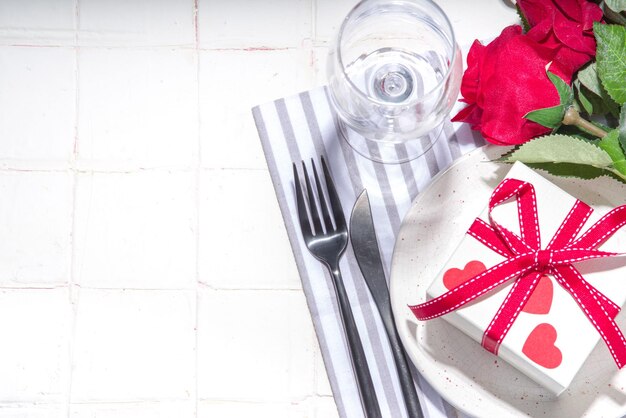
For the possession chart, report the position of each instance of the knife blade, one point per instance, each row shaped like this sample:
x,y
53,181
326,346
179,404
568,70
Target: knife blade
x,y
365,247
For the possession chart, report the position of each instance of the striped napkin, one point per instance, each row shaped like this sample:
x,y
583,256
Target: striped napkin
x,y
305,126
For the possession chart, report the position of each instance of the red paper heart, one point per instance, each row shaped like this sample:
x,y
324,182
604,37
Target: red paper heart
x,y
540,300
454,276
540,348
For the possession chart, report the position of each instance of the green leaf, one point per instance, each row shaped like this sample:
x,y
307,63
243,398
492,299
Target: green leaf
x,y
584,103
621,129
611,145
566,94
617,6
593,104
576,132
588,77
613,17
550,117
618,176
567,156
599,102
585,172
583,99
522,18
560,149
611,59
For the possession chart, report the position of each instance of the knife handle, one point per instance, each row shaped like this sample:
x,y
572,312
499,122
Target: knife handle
x,y
407,385
357,355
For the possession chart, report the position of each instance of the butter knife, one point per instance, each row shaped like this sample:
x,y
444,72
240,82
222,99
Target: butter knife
x,y
365,246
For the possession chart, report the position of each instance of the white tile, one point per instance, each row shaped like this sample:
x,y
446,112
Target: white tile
x,y
134,345
207,409
34,354
11,410
243,242
244,23
161,409
37,22
137,107
246,79
481,25
37,104
254,345
324,407
35,226
136,22
320,59
136,230
329,15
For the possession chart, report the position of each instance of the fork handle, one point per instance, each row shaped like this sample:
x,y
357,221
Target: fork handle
x,y
365,385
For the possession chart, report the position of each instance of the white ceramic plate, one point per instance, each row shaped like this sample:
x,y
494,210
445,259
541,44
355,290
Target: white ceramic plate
x,y
467,376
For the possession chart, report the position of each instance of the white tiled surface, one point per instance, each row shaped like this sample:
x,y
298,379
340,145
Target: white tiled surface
x,y
137,107
34,355
135,230
131,345
230,75
38,102
249,24
136,23
144,266
36,228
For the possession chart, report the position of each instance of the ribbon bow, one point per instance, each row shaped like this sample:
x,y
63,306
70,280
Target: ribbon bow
x,y
526,262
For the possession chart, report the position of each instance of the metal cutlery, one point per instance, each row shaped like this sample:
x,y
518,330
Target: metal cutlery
x,y
327,241
365,246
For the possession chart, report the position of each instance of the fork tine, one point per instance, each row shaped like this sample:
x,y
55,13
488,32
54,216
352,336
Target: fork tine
x,y
328,222
315,216
305,226
335,203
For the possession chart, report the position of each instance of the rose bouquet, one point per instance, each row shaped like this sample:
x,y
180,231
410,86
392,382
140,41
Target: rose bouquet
x,y
554,87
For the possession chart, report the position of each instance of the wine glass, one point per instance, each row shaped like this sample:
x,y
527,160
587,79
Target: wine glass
x,y
394,73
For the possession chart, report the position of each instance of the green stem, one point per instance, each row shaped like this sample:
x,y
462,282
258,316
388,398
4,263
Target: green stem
x,y
572,117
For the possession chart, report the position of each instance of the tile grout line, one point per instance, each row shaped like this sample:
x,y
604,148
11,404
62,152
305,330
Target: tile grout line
x,y
197,203
114,170
182,47
313,29
72,278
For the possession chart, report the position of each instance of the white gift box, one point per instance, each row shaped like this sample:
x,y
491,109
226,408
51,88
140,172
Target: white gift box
x,y
552,337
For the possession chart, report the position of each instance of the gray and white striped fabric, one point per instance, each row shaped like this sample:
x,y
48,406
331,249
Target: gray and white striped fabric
x,y
305,126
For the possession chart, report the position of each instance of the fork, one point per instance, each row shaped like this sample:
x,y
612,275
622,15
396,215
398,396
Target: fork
x,y
327,242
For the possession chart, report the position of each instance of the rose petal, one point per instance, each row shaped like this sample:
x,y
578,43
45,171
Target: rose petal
x,y
507,78
567,62
469,114
518,87
571,35
536,10
565,26
542,32
490,65
571,9
471,77
591,12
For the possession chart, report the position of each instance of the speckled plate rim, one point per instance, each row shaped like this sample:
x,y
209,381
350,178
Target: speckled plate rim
x,y
409,281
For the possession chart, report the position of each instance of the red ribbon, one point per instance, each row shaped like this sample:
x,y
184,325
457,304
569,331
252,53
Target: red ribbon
x,y
526,262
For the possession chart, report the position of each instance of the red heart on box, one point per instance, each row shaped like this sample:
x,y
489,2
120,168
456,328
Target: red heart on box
x,y
540,348
540,300
454,276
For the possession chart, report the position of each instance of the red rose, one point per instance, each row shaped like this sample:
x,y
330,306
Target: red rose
x,y
504,81
566,26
